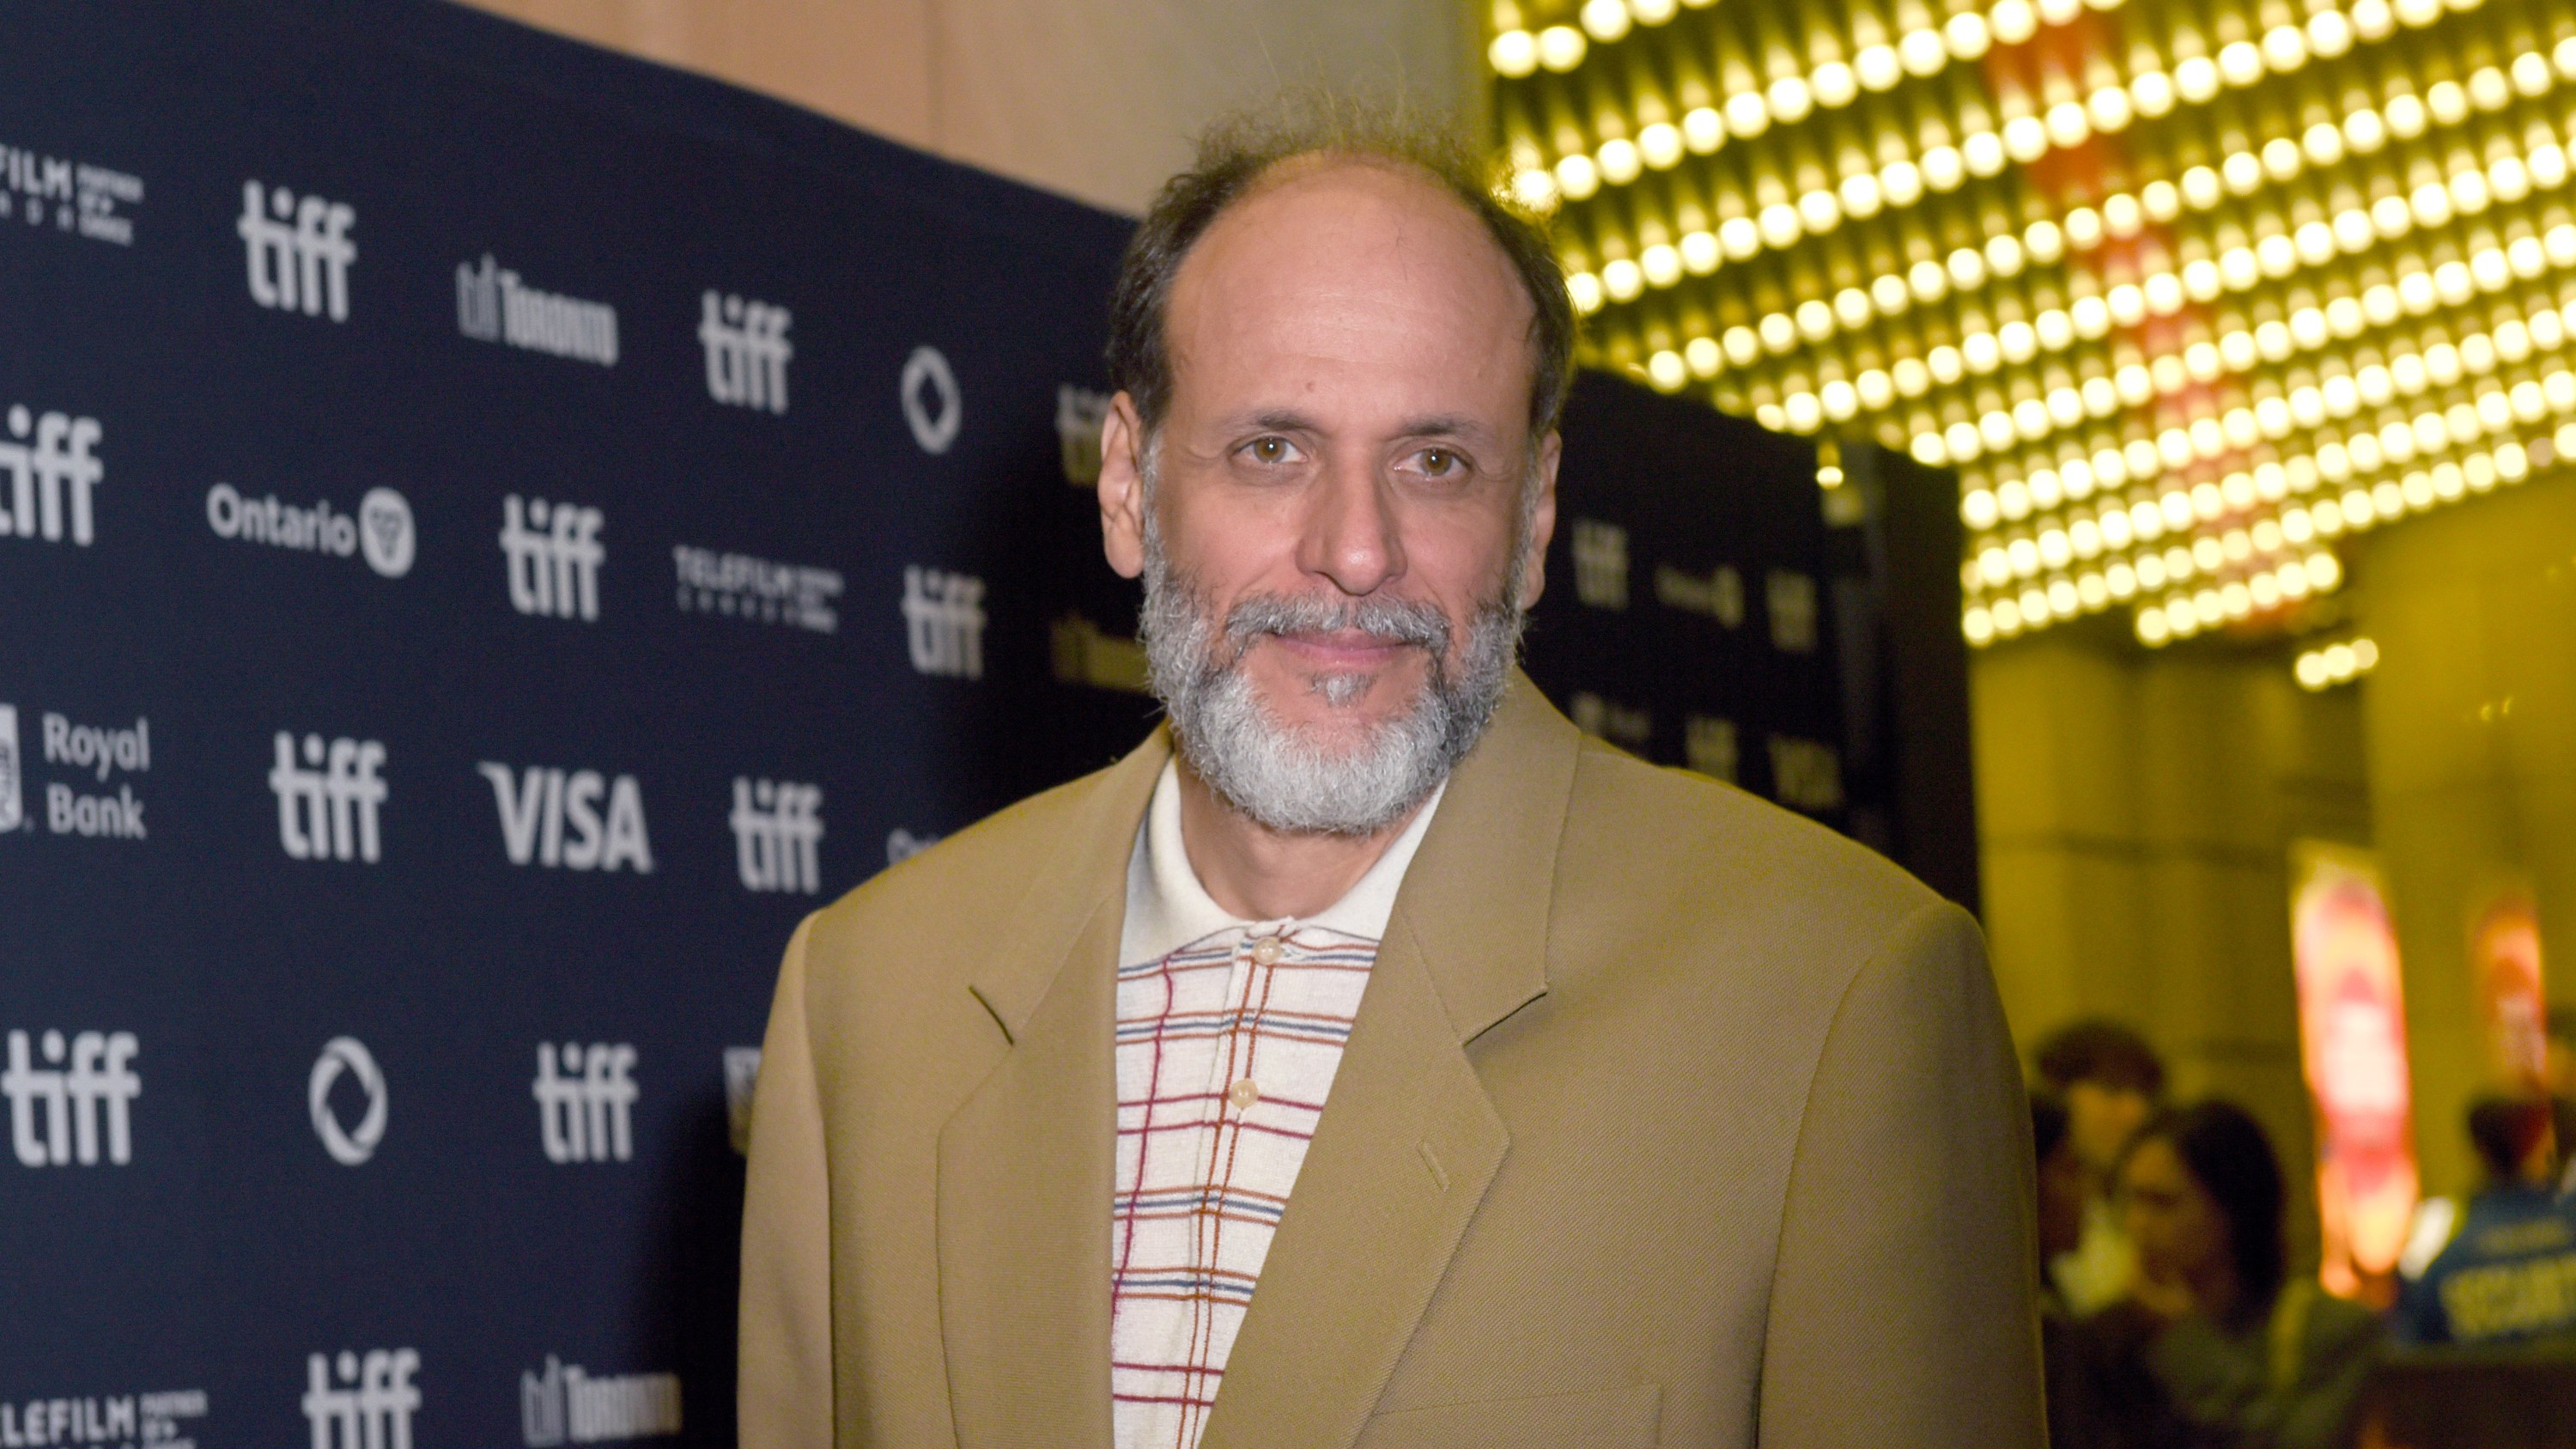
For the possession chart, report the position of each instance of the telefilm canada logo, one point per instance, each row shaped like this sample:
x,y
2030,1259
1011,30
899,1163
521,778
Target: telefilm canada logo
x,y
380,531
362,1401
567,1404
298,250
494,305
586,1101
757,590
71,1099
72,196
51,470
109,1421
747,351
97,754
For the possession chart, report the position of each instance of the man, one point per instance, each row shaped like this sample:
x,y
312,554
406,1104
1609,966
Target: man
x,y
2110,1081
2507,1275
1369,1058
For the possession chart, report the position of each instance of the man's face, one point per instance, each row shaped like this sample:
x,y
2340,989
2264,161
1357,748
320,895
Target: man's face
x,y
1346,444
2099,1118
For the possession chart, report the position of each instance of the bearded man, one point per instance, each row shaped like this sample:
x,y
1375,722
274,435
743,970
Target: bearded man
x,y
1369,1058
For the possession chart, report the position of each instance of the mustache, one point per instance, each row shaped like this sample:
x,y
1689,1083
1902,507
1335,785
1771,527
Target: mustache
x,y
1390,621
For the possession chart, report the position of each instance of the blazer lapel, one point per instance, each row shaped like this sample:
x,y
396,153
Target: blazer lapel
x,y
1026,1165
1409,1141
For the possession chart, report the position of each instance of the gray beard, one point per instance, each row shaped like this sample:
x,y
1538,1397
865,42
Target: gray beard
x,y
1278,774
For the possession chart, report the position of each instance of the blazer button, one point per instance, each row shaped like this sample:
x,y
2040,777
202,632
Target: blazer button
x,y
1243,1094
1267,950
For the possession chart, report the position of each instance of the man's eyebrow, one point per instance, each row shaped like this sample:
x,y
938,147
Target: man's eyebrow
x,y
1443,425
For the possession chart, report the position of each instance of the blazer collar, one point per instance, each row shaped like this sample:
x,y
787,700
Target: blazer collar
x,y
1400,1162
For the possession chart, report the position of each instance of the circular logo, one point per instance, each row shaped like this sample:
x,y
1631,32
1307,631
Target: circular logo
x,y
347,1146
927,371
384,532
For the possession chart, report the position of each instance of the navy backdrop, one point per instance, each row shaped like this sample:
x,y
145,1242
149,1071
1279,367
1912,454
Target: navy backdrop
x,y
492,533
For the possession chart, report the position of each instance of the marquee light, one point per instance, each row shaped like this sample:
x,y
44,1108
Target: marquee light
x,y
2185,294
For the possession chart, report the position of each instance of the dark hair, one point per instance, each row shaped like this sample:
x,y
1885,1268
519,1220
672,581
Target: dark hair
x,y
2096,1050
2047,1124
1234,156
2504,1130
2227,1153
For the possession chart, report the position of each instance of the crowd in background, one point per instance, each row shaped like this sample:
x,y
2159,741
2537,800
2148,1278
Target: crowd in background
x,y
2172,1318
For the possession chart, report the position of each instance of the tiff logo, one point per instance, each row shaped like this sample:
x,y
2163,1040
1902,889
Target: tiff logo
x,y
50,480
777,829
299,252
568,1403
326,807
1600,564
101,1075
585,1111
554,555
370,1402
552,817
943,620
747,351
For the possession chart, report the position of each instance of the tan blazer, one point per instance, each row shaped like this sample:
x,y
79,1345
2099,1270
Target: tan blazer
x,y
1668,1118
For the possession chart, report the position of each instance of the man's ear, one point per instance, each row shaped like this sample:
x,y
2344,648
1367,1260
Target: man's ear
x,y
1122,488
1542,519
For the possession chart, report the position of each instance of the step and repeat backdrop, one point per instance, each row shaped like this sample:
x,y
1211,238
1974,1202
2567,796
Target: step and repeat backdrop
x,y
490,535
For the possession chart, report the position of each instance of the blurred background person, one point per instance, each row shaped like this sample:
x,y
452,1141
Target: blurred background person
x,y
2213,1348
2109,1081
2510,1272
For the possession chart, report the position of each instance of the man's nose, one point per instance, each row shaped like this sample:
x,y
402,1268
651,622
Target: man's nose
x,y
1352,535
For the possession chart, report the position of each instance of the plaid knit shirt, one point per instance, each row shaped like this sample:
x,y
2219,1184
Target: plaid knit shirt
x,y
1229,1032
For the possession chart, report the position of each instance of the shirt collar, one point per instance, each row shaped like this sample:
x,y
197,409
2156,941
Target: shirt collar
x,y
1167,908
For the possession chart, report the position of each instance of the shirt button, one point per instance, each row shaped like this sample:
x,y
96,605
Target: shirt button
x,y
1243,1094
1266,951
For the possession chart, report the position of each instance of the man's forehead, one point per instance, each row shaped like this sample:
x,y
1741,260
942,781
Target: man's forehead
x,y
1340,258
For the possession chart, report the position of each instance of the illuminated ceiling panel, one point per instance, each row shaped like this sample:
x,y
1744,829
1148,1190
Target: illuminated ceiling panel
x,y
2184,291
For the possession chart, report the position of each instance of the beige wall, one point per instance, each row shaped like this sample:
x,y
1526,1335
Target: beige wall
x,y
1096,99
2471,723
2135,813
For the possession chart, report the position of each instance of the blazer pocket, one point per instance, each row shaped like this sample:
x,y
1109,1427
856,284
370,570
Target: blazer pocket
x,y
1603,1419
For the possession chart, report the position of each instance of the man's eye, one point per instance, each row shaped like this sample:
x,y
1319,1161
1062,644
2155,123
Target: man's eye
x,y
1440,462
1271,450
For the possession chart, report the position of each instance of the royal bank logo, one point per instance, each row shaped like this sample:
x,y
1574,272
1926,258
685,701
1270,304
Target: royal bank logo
x,y
362,1402
739,586
567,1404
572,819
778,835
554,556
747,351
72,196
71,1100
298,251
130,1421
586,1101
493,305
1079,414
1600,564
328,796
932,406
943,622
349,1143
52,471
98,751
381,530
1718,594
